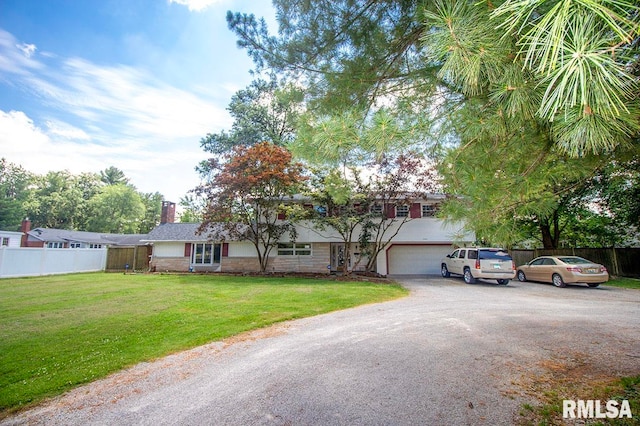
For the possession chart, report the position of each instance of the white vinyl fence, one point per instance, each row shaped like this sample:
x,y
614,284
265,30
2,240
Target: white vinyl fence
x,y
27,262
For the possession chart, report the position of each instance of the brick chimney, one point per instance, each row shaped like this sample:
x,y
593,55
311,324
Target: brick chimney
x,y
24,228
168,212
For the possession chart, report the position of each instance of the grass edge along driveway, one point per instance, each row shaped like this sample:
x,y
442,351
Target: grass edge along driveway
x,y
58,332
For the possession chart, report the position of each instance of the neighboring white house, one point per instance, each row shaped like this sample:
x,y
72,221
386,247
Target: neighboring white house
x,y
10,239
417,249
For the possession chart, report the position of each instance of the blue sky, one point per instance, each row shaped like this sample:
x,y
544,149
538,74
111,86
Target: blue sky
x,y
134,84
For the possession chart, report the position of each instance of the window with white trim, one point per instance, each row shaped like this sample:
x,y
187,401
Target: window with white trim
x,y
55,245
402,211
95,246
294,249
376,209
5,241
429,210
205,254
75,245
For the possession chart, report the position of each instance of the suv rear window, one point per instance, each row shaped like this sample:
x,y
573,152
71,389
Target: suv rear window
x,y
494,254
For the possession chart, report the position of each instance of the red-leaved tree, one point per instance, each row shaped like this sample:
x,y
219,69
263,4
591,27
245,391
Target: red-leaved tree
x,y
245,193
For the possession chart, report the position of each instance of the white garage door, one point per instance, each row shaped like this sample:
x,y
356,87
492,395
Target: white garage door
x,y
416,259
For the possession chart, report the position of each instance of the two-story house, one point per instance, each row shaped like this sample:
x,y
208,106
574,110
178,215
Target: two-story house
x,y
418,247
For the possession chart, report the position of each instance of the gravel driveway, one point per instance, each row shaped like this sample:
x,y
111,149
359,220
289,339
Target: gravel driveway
x,y
449,354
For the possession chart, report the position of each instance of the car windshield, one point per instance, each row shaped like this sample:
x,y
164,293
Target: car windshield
x,y
494,254
574,260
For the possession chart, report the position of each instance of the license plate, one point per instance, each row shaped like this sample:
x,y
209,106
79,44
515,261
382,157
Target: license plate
x,y
591,271
496,266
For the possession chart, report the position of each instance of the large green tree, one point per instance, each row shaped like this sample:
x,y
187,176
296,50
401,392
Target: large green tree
x,y
116,209
57,201
263,112
568,64
510,81
14,191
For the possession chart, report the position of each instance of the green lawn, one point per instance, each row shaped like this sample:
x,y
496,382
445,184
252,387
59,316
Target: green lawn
x,y
57,332
624,282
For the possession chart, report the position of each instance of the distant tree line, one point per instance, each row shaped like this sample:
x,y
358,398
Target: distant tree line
x,y
98,202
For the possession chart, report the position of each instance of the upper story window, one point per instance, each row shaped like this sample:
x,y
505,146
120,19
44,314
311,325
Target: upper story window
x,y
429,210
5,241
376,209
402,211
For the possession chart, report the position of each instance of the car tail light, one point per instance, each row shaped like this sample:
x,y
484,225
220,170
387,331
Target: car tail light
x,y
477,263
513,265
574,269
603,269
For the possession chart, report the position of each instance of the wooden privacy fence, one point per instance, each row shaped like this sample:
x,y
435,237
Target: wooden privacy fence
x,y
619,261
136,257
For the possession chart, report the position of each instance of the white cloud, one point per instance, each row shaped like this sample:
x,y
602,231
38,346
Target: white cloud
x,y
66,131
13,58
196,5
27,49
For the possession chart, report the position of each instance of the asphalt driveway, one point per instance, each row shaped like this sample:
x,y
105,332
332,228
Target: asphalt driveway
x,y
449,354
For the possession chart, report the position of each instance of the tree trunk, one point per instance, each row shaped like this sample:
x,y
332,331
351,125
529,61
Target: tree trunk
x,y
550,232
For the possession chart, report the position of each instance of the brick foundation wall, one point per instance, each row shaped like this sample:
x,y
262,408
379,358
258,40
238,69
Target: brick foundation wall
x,y
240,264
174,264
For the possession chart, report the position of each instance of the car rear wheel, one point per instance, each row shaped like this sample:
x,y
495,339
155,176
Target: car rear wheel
x,y
521,276
445,271
558,281
468,278
593,285
503,282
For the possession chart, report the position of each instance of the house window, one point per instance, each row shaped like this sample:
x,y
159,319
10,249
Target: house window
x,y
376,209
294,249
55,245
402,211
95,246
75,245
429,210
5,241
205,254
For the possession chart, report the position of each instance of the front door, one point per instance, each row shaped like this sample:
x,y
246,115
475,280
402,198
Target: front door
x,y
337,257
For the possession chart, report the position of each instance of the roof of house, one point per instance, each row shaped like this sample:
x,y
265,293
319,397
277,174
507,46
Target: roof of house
x,y
17,234
176,232
186,232
65,235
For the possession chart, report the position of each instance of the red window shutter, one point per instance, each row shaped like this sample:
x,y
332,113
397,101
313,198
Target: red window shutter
x,y
225,249
187,249
415,211
390,210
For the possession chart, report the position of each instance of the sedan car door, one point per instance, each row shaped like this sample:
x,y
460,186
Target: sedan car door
x,y
534,270
548,268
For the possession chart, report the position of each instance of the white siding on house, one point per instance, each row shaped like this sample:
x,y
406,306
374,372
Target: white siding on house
x,y
243,249
10,239
168,249
431,230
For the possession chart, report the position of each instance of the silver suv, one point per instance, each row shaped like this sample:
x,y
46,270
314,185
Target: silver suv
x,y
479,262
